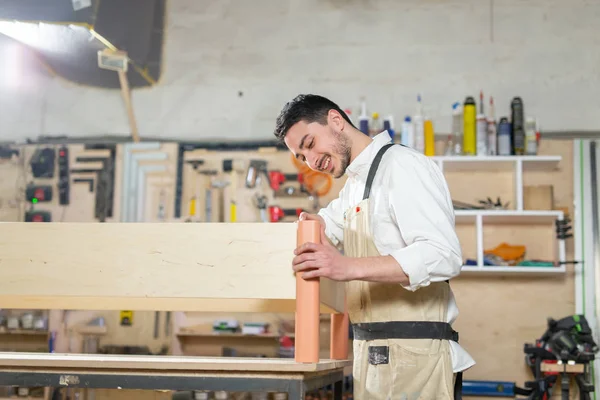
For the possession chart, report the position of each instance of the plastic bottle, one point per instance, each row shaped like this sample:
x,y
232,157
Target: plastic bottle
x,y
408,136
530,137
457,129
492,140
469,127
419,127
518,126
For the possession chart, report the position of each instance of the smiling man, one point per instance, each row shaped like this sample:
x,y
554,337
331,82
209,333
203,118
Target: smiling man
x,y
394,222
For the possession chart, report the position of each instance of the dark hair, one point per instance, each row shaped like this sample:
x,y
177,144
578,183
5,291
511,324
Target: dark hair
x,y
308,108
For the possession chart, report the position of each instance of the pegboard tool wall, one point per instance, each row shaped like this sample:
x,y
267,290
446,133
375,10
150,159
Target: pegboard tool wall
x,y
64,183
204,178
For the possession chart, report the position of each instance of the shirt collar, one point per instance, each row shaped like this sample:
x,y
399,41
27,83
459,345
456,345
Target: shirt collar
x,y
365,158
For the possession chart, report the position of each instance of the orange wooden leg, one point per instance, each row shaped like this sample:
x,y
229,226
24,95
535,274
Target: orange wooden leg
x,y
338,342
307,302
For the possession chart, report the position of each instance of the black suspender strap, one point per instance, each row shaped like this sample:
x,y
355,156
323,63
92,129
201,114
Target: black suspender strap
x,y
373,169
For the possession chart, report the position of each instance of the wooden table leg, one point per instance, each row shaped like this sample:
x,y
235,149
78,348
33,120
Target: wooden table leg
x,y
338,342
307,302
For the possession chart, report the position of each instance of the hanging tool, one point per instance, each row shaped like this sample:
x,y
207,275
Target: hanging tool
x,y
256,168
193,204
208,194
219,184
233,167
261,204
277,213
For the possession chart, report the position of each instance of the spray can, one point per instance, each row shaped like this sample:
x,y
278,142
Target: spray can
x,y
530,137
518,126
481,135
408,137
491,130
469,127
504,137
419,127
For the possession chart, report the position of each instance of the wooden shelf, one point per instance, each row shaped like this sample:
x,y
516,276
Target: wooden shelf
x,y
26,332
236,335
508,216
497,163
538,271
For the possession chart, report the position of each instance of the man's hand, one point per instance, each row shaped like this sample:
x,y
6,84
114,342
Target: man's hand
x,y
321,259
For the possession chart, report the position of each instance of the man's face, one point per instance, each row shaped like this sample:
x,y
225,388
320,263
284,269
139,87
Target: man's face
x,y
321,147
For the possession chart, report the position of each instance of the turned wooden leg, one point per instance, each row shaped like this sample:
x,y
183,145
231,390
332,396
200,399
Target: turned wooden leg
x,y
307,302
338,340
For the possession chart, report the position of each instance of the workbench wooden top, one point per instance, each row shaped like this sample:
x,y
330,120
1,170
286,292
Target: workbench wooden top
x,y
150,362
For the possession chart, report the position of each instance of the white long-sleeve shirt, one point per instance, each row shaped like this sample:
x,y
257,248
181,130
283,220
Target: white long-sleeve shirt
x,y
412,219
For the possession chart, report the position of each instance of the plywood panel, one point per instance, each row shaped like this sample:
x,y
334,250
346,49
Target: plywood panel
x,y
118,262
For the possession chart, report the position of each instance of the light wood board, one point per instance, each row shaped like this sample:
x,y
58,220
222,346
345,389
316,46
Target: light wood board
x,y
164,363
153,266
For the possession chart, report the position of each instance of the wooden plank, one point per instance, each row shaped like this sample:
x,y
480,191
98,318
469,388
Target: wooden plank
x,y
164,363
152,266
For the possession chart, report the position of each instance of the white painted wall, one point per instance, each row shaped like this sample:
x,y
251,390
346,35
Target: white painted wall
x,y
546,51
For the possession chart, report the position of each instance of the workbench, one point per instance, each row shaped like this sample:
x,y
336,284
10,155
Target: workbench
x,y
210,267
170,373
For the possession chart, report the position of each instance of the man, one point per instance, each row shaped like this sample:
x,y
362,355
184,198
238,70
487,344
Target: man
x,y
394,220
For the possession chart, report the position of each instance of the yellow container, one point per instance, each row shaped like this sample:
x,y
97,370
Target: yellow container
x,y
429,138
470,128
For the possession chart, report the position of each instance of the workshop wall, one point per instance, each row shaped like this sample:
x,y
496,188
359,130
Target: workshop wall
x,y
224,79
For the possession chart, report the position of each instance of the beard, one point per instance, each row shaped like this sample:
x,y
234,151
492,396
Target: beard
x,y
342,148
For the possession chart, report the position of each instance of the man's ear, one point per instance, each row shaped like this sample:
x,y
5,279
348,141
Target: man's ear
x,y
336,120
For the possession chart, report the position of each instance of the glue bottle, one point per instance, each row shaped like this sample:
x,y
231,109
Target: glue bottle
x,y
419,127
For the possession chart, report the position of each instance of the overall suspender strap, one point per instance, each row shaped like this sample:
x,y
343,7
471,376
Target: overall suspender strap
x,y
373,169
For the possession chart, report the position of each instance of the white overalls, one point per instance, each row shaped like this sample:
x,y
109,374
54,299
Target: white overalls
x,y
401,348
